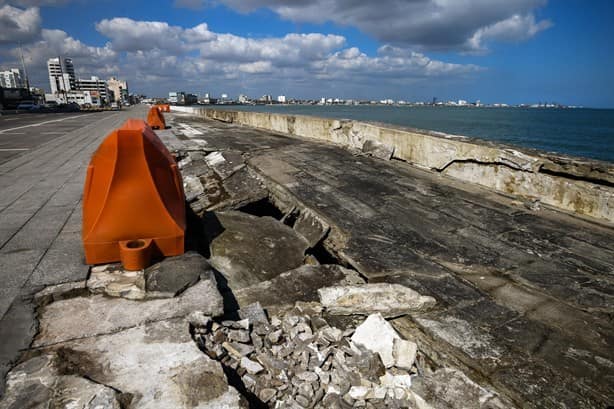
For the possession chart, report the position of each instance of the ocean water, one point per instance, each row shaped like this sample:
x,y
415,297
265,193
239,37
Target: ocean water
x,y
583,132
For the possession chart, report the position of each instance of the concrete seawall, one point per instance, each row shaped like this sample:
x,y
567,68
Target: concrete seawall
x,y
584,187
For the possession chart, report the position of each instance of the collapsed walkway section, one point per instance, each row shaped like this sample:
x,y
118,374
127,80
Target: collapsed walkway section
x,y
523,292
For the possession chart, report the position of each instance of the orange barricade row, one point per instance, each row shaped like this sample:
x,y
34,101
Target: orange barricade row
x,y
163,107
133,200
155,119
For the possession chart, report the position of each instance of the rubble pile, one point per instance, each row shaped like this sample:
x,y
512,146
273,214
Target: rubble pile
x,y
297,360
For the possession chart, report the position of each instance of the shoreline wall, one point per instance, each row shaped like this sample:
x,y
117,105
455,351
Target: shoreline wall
x,y
580,186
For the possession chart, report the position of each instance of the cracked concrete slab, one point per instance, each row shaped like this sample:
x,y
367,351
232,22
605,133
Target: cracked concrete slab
x,y
249,249
83,317
512,284
155,365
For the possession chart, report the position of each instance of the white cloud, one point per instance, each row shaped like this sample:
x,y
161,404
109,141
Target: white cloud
x,y
88,60
155,57
17,25
130,35
291,49
514,29
390,62
427,24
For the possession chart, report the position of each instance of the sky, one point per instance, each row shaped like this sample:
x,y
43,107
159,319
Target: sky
x,y
495,51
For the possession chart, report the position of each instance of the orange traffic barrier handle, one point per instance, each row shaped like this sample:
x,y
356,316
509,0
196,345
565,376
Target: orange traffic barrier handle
x,y
155,119
135,254
133,200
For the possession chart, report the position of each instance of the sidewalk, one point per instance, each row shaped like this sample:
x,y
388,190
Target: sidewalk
x,y
40,225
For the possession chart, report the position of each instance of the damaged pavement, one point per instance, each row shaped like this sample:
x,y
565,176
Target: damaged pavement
x,y
322,277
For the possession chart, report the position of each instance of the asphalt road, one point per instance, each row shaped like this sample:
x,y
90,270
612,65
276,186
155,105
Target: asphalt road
x,y
20,133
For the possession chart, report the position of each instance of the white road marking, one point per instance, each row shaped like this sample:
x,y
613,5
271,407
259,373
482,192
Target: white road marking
x,y
44,123
10,119
14,149
189,131
52,133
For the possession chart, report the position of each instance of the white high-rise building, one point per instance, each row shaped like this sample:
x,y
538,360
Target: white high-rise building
x,y
61,75
11,79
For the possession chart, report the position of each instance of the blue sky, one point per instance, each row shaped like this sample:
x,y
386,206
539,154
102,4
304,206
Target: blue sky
x,y
514,51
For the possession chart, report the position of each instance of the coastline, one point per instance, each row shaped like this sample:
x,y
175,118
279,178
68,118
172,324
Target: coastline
x,y
580,132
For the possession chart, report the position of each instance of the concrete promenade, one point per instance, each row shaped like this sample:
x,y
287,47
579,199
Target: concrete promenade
x,y
524,293
42,170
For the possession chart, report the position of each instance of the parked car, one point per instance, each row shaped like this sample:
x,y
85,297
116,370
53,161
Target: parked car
x,y
114,106
70,107
28,106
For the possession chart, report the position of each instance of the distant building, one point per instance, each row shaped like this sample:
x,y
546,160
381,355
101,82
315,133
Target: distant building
x,y
176,98
96,88
191,99
281,99
11,79
61,75
120,90
243,99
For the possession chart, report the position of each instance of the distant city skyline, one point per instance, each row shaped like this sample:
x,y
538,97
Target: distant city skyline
x,y
500,51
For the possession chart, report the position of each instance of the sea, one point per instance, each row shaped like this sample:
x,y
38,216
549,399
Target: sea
x,y
581,132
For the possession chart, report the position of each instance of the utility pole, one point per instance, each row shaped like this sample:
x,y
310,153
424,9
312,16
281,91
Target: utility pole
x,y
23,65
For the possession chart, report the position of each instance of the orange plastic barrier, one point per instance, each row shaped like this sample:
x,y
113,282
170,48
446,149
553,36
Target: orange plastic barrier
x,y
133,200
155,119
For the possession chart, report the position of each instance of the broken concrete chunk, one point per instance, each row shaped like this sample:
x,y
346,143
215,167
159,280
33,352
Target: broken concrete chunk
x,y
395,381
300,284
238,350
226,163
199,319
82,317
267,394
38,381
192,187
390,300
254,313
113,281
359,392
311,227
173,275
252,367
404,353
157,365
378,149
377,335
239,335
249,249
450,388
